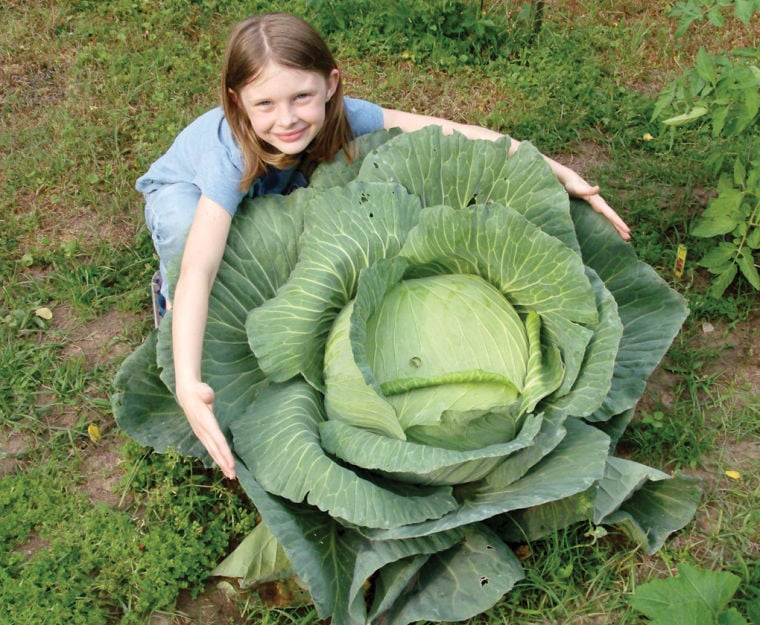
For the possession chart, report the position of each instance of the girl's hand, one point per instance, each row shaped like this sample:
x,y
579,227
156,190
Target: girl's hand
x,y
581,189
200,261
198,404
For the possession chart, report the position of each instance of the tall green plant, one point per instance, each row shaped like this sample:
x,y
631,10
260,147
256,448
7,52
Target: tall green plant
x,y
722,93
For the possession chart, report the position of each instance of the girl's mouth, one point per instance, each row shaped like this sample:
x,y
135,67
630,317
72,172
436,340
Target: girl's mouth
x,y
290,137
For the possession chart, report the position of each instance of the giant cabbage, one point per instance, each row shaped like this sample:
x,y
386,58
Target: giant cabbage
x,y
425,357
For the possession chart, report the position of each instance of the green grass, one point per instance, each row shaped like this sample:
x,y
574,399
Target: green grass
x,y
105,532
68,560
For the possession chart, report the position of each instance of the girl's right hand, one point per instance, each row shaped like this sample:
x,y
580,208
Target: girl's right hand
x,y
200,261
198,405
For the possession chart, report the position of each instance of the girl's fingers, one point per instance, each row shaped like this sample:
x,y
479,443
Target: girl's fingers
x,y
208,432
220,451
598,203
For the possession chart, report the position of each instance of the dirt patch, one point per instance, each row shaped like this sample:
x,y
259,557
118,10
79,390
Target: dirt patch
x,y
13,448
98,340
726,515
69,224
584,158
32,546
737,351
215,606
98,343
30,86
731,363
103,474
729,378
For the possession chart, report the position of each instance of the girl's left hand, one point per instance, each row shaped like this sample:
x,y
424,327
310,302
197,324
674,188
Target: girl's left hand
x,y
583,190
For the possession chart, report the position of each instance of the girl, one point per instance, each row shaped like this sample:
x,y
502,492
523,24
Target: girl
x,y
283,112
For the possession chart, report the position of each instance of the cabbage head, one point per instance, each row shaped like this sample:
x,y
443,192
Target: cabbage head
x,y
422,359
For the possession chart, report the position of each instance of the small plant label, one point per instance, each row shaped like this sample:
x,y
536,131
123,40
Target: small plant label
x,y
680,263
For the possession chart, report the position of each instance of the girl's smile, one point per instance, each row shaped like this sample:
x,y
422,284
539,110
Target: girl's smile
x,y
286,106
291,137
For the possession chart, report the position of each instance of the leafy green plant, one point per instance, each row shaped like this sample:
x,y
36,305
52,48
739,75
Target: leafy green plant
x,y
445,33
723,92
695,597
421,358
734,212
690,11
64,560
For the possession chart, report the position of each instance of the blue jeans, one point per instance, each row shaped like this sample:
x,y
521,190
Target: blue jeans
x,y
169,213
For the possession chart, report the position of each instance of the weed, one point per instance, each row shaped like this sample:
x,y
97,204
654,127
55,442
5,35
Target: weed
x,y
85,564
447,34
720,96
570,577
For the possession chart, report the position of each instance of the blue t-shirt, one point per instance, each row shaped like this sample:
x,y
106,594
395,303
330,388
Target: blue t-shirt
x,y
206,155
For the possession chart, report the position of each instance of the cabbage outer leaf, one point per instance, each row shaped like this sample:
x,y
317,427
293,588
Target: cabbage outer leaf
x,y
471,568
348,230
417,463
260,255
652,313
455,583
647,504
454,171
144,407
278,439
573,466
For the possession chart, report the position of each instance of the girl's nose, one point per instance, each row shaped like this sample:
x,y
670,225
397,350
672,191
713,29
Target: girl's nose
x,y
286,116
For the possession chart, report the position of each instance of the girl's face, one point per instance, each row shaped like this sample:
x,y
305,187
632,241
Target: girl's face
x,y
286,106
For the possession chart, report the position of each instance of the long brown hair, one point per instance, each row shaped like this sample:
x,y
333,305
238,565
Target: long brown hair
x,y
289,41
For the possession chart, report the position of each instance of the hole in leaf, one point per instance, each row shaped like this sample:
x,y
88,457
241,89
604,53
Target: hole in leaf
x,y
483,580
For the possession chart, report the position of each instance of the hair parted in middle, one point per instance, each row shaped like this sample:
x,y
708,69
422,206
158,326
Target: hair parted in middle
x,y
291,42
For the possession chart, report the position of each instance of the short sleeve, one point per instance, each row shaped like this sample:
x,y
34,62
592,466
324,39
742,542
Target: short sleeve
x,y
364,117
218,177
204,154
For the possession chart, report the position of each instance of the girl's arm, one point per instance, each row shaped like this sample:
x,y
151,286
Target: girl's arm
x,y
574,184
200,262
